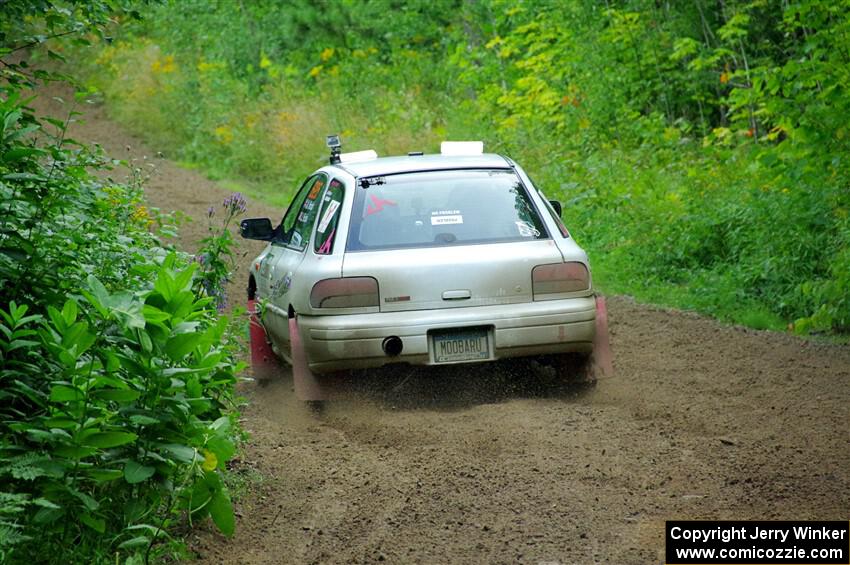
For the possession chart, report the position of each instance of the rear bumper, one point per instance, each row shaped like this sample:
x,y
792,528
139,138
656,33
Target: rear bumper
x,y
354,341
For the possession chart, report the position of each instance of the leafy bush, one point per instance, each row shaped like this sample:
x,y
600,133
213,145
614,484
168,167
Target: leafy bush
x,y
116,369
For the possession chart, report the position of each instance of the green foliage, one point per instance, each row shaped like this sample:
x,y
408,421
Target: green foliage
x,y
701,147
116,369
216,257
123,388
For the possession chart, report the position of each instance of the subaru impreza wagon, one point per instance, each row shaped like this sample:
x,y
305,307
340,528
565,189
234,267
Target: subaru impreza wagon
x,y
436,259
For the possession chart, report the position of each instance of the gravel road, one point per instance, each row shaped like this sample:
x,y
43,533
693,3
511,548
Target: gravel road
x,y
494,464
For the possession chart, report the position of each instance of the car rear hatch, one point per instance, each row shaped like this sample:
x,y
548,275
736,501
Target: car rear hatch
x,y
447,239
453,276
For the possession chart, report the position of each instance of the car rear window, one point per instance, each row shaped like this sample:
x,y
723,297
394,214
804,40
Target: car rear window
x,y
442,208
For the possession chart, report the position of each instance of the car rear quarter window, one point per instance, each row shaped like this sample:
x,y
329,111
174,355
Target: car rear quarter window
x,y
329,218
442,208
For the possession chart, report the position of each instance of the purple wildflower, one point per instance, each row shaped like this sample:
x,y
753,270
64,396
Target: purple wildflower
x,y
210,211
221,302
235,203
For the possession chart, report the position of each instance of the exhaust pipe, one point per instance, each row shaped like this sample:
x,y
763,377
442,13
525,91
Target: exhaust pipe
x,y
392,346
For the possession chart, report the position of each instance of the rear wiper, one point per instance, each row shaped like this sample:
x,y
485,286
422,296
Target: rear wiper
x,y
366,182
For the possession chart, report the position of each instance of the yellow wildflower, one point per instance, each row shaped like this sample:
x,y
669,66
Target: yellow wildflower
x,y
168,65
223,134
205,67
165,66
327,54
210,461
140,214
314,72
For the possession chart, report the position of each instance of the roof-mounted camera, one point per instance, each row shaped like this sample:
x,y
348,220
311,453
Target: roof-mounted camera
x,y
335,145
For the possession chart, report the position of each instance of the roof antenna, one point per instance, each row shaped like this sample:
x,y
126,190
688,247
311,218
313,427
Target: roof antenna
x,y
334,143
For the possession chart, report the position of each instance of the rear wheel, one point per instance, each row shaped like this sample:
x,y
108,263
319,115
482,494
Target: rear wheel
x,y
572,369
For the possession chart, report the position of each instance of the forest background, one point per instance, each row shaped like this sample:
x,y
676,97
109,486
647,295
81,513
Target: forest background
x,y
700,148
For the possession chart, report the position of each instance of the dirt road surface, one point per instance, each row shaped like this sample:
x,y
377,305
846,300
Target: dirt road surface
x,y
496,465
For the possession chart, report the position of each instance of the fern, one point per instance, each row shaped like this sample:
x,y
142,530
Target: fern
x,y
10,536
28,467
12,503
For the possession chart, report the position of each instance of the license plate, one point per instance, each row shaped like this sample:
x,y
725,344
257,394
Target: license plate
x,y
451,346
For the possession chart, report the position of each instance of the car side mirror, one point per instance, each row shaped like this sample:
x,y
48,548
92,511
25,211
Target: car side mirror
x,y
257,228
556,206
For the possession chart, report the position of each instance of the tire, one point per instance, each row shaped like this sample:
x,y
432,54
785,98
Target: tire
x,y
567,369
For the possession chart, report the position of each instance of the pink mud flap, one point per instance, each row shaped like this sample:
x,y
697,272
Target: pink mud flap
x,y
307,385
263,360
603,360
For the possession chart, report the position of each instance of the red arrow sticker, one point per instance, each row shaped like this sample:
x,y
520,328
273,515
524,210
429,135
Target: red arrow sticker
x,y
378,204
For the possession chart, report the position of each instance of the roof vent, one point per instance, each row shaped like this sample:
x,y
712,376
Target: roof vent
x,y
358,156
462,148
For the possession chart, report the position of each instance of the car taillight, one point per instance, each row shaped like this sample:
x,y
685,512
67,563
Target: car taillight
x,y
347,292
551,280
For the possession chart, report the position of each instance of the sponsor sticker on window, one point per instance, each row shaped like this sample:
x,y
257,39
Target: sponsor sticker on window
x,y
443,217
314,191
328,215
442,220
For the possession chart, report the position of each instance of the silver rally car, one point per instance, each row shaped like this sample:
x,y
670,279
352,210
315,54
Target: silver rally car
x,y
420,259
